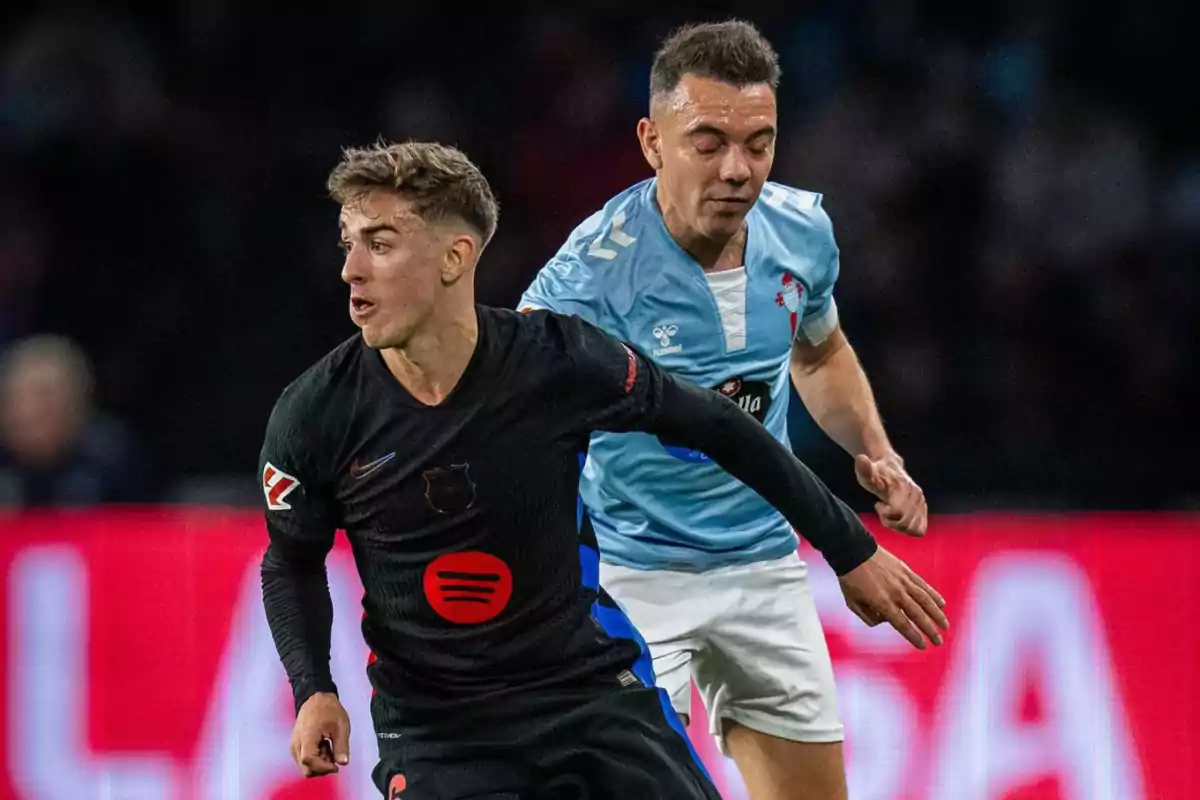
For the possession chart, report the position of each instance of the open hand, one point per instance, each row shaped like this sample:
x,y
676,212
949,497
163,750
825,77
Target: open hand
x,y
883,588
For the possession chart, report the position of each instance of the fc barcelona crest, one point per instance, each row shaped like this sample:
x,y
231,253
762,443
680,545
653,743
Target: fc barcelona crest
x,y
449,490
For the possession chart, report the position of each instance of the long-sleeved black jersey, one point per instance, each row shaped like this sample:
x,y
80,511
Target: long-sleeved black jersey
x,y
464,518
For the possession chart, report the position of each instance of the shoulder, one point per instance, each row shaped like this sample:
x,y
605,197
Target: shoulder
x,y
609,235
565,340
304,401
791,213
543,329
590,274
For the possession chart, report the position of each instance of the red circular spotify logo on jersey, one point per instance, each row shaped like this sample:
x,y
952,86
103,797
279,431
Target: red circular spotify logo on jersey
x,y
468,587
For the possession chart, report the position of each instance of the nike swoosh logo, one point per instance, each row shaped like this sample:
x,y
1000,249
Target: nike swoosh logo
x,y
358,471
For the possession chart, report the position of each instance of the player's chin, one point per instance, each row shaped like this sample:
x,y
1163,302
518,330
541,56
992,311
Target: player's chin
x,y
723,223
373,336
378,337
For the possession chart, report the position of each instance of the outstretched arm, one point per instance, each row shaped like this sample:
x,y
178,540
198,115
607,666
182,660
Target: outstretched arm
x,y
619,389
711,423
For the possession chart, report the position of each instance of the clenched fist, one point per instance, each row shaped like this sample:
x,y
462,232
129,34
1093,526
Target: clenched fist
x,y
321,736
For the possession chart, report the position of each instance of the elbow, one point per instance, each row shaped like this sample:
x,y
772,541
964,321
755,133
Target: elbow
x,y
280,561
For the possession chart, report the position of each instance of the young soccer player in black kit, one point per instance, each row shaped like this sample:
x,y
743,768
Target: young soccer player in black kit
x,y
446,440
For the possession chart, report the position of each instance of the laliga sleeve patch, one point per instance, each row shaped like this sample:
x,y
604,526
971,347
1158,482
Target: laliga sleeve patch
x,y
277,485
469,587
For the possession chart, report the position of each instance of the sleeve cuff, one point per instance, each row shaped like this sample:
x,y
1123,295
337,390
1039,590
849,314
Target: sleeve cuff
x,y
851,554
816,329
302,691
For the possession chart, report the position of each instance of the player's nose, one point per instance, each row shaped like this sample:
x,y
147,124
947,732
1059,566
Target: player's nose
x,y
734,166
353,269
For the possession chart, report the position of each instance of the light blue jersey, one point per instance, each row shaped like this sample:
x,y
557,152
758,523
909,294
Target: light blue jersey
x,y
656,507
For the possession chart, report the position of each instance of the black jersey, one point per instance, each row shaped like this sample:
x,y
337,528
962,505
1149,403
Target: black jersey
x,y
464,518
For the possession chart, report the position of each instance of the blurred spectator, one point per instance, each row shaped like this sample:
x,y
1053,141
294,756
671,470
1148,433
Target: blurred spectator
x,y
56,449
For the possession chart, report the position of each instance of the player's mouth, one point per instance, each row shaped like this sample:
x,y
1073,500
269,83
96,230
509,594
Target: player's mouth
x,y
360,307
729,205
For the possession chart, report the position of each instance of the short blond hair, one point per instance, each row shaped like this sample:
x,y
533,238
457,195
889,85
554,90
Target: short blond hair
x,y
439,180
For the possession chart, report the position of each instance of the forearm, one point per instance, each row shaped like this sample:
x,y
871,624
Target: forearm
x,y
300,614
838,396
705,421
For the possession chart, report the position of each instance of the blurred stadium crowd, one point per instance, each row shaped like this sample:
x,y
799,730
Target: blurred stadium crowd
x,y
1015,189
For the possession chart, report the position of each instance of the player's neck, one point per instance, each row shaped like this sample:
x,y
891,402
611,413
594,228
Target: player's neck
x,y
713,254
433,360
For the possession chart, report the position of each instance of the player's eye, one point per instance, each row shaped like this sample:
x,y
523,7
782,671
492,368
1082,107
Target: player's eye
x,y
707,144
760,147
345,246
380,246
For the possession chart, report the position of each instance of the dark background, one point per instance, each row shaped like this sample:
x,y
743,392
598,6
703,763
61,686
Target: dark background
x,y
1015,188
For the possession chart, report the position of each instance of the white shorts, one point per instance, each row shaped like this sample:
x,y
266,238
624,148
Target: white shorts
x,y
750,637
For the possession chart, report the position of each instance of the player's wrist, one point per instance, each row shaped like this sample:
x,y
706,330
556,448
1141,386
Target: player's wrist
x,y
851,553
307,690
886,455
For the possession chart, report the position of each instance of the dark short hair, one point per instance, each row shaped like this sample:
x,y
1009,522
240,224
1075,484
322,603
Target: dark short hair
x,y
439,180
734,52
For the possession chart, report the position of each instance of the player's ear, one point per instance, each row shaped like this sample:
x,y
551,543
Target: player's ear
x,y
459,257
651,142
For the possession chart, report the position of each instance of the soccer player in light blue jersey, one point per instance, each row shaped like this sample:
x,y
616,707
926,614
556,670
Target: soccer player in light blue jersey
x,y
727,279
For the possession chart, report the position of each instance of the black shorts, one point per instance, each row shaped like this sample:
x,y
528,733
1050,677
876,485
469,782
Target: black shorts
x,y
602,744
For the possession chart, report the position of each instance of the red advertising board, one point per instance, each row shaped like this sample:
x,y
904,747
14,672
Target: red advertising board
x,y
138,665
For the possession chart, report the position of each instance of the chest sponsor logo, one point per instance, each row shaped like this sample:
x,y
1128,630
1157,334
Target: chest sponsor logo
x,y
469,587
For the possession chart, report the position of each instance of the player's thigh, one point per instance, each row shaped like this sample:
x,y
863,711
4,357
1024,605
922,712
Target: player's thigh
x,y
446,762
625,743
773,768
453,778
663,608
769,668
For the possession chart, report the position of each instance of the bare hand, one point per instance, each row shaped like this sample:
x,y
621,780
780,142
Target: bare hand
x,y
901,505
883,588
321,736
